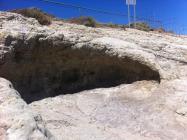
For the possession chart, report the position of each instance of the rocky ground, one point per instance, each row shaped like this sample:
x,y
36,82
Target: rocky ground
x,y
142,110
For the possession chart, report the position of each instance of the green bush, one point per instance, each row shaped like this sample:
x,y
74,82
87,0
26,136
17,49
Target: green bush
x,y
87,21
43,18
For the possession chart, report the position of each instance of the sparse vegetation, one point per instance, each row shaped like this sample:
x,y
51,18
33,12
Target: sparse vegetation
x,y
142,26
43,18
87,21
160,30
46,19
112,25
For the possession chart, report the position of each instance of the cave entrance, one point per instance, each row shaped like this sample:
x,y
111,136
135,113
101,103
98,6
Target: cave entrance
x,y
39,72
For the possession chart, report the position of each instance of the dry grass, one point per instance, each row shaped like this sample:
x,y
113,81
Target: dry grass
x,y
43,18
142,26
87,21
46,19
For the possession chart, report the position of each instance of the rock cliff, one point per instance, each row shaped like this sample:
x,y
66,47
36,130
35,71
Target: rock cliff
x,y
108,83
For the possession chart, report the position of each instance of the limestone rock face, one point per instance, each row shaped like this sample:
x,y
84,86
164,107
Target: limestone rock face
x,y
17,121
142,110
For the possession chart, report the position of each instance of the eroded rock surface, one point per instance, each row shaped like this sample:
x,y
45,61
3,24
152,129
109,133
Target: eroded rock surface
x,y
144,110
17,121
141,110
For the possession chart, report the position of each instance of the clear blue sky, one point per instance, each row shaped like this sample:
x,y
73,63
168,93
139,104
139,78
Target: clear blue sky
x,y
173,13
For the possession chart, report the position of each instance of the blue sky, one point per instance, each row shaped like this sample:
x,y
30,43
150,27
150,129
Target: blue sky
x,y
172,13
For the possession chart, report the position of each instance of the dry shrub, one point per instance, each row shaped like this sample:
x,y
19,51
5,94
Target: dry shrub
x,y
43,18
160,30
142,26
87,21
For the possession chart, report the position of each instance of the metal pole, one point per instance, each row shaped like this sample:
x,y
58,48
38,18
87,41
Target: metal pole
x,y
135,16
129,16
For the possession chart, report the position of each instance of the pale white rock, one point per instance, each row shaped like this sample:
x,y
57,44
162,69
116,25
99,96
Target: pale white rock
x,y
142,110
17,121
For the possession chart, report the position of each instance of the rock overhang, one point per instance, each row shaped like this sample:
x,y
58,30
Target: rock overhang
x,y
128,43
39,60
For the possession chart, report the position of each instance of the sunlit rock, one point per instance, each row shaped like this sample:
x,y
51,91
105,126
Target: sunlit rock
x,y
108,83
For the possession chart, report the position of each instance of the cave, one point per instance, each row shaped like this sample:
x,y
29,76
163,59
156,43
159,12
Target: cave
x,y
43,70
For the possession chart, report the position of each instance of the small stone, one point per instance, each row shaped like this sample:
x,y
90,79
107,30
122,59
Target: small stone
x,y
182,111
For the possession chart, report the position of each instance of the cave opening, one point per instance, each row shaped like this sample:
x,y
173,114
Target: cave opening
x,y
42,71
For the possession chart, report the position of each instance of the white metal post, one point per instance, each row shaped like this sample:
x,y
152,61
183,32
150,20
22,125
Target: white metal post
x,y
128,3
129,16
135,16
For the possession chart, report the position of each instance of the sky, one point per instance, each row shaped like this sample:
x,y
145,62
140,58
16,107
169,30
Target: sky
x,y
171,13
